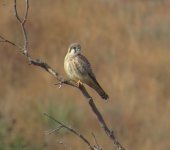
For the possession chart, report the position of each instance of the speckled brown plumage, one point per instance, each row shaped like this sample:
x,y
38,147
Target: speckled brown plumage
x,y
78,68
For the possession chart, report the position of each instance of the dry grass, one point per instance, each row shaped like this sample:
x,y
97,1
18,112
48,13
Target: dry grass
x,y
127,43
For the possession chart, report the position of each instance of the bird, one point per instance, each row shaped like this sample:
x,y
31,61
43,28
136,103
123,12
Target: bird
x,y
78,69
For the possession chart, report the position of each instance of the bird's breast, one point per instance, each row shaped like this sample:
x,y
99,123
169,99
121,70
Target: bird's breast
x,y
74,68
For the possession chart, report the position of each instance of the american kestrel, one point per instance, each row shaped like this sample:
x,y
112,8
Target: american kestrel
x,y
78,68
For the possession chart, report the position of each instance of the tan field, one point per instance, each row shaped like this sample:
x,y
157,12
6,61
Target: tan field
x,y
128,45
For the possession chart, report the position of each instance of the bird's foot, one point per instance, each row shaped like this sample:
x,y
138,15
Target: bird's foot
x,y
79,83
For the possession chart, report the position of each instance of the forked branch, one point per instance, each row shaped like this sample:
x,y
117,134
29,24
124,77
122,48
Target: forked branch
x,y
69,129
37,62
22,24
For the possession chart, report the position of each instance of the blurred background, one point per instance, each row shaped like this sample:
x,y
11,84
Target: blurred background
x,y
128,45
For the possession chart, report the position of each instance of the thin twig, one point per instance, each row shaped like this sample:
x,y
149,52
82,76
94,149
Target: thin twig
x,y
2,39
22,24
95,140
71,130
23,28
26,12
54,130
16,12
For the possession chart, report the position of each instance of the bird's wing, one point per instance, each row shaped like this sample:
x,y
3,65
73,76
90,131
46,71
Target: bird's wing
x,y
86,68
82,64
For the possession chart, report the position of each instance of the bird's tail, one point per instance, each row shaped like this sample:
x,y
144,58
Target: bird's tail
x,y
96,86
102,93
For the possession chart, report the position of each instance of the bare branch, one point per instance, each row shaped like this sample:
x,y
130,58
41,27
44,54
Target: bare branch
x,y
23,28
95,140
2,39
71,130
100,118
54,130
16,12
22,24
26,12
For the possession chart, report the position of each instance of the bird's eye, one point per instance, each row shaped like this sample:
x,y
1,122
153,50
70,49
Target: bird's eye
x,y
75,49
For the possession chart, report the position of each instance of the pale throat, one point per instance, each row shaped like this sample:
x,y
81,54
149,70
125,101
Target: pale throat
x,y
74,52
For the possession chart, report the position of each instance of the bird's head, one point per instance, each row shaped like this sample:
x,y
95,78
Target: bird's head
x,y
74,49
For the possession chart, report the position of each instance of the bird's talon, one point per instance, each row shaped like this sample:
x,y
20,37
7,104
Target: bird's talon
x,y
79,83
